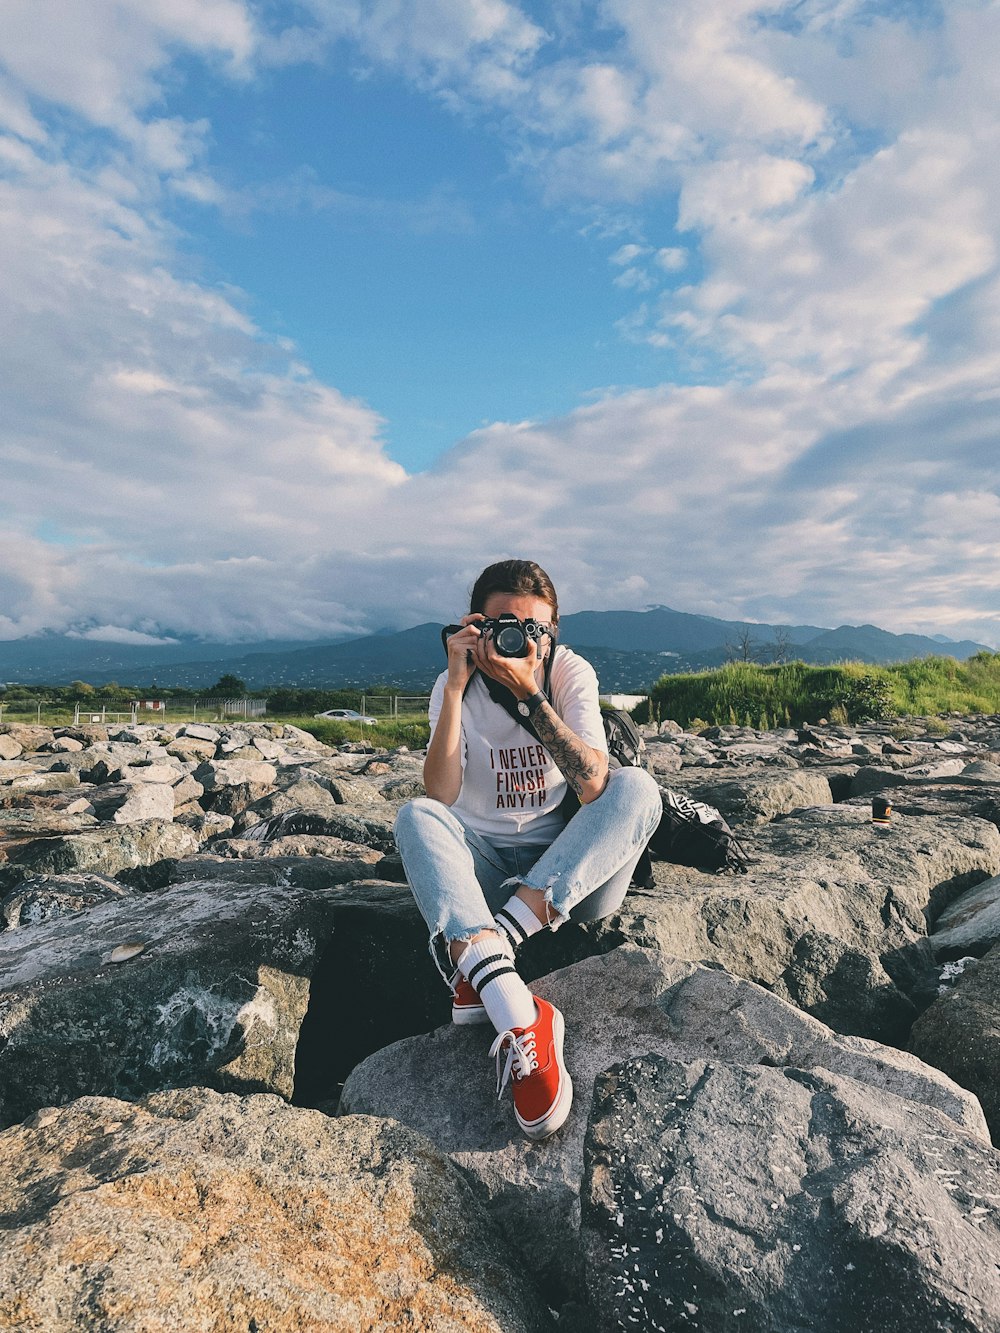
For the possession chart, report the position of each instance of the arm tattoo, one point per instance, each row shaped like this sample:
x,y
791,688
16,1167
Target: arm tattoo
x,y
577,762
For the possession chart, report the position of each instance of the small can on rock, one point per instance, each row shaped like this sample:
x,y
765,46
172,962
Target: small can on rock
x,y
881,810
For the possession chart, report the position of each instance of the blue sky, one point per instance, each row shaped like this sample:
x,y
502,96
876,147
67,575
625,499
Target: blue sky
x,y
322,306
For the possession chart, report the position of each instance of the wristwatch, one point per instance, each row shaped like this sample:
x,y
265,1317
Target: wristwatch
x,y
526,707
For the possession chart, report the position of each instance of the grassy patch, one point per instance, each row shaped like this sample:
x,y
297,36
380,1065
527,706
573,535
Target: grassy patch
x,y
794,693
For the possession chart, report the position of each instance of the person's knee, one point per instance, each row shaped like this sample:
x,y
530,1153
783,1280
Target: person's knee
x,y
638,785
415,814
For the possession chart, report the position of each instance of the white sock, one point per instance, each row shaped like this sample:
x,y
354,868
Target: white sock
x,y
488,966
517,921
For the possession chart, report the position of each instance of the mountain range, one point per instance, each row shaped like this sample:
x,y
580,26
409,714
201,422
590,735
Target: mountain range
x,y
629,649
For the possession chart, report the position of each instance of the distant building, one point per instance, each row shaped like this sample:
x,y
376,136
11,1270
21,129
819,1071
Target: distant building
x,y
624,701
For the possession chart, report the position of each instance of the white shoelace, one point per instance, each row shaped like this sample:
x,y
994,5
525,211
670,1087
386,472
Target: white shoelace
x,y
520,1051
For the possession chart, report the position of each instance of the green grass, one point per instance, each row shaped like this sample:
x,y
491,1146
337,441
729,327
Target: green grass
x,y
743,693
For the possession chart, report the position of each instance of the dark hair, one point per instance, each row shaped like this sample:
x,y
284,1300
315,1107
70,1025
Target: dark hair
x,y
522,577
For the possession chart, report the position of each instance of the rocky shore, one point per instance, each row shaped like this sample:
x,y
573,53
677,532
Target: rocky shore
x,y
231,1099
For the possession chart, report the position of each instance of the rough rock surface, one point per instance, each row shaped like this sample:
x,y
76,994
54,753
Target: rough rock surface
x,y
718,1196
626,1003
971,924
112,850
960,1033
826,870
758,798
195,1211
46,897
217,995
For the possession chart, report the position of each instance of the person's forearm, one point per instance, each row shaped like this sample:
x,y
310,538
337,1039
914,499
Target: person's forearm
x,y
443,764
583,767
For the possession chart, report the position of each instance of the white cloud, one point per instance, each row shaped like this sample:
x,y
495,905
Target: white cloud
x,y
115,634
626,254
841,285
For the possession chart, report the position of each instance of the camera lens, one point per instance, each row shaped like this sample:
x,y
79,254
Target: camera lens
x,y
511,642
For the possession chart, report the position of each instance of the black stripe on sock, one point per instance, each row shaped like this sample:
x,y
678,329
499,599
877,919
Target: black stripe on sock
x,y
485,962
508,922
500,972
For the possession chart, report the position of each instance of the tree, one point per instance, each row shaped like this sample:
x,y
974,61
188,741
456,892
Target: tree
x,y
781,644
228,687
744,647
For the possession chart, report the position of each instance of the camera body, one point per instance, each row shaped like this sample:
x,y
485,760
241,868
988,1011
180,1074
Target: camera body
x,y
511,636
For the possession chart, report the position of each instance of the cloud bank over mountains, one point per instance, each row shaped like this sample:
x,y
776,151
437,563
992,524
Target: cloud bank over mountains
x,y
801,200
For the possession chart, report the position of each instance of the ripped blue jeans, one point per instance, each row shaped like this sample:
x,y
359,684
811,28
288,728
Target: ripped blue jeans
x,y
459,879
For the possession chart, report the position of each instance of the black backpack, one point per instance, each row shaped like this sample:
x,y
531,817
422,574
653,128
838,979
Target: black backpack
x,y
692,833
689,833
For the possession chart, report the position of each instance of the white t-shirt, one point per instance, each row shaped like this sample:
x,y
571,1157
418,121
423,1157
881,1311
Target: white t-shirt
x,y
511,788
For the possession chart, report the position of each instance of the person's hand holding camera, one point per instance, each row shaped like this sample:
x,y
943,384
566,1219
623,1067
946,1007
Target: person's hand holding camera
x,y
514,670
462,652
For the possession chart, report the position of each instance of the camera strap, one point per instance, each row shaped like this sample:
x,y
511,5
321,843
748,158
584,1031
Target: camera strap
x,y
502,696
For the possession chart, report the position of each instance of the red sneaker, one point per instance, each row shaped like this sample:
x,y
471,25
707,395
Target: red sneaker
x,y
543,1090
466,1006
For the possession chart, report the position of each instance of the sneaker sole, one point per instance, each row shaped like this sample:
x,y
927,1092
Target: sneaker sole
x,y
560,1109
469,1015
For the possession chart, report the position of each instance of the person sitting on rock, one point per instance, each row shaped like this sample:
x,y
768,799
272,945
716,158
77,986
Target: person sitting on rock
x,y
488,853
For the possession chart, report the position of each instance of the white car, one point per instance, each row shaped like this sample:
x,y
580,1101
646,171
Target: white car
x,y
347,715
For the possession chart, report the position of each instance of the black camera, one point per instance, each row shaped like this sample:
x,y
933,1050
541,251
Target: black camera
x,y
511,636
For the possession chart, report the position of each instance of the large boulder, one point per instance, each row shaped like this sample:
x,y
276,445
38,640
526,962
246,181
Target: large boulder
x,y
10,748
826,870
971,924
113,850
960,1033
45,897
627,1003
212,988
193,1211
847,989
757,798
216,773
718,1196
131,802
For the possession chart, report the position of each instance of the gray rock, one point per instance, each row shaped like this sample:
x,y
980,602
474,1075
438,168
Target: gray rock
x,y
131,802
848,990
398,790
353,791
199,732
193,1211
960,1034
204,824
938,798
971,925
827,870
186,790
64,745
757,799
112,850
30,738
40,819
191,749
347,860
216,997
303,794
724,1197
47,897
9,747
216,773
627,1003
44,781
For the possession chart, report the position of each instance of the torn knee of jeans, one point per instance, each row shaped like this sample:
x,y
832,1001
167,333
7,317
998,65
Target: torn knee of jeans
x,y
554,916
